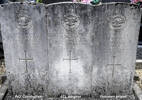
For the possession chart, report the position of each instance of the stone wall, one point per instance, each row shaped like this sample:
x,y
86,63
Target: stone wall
x,y
70,48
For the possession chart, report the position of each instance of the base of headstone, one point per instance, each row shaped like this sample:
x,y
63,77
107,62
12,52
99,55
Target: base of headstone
x,y
24,97
49,39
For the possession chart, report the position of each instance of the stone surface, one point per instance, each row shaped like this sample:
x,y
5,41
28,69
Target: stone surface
x,y
70,48
100,40
55,1
25,45
106,1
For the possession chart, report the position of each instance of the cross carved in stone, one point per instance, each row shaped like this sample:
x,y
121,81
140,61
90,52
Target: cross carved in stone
x,y
70,60
113,66
26,59
113,69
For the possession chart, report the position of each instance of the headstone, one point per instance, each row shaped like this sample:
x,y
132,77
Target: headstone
x,y
114,52
25,47
97,46
106,1
55,1
70,48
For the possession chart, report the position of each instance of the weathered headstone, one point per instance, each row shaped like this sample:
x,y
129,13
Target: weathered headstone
x,y
100,44
55,1
70,48
106,1
114,49
25,46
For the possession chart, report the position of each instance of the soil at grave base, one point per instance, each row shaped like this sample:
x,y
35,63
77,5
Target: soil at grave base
x,y
139,73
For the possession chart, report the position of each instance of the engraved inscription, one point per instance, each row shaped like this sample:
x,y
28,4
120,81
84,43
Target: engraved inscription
x,y
71,21
118,22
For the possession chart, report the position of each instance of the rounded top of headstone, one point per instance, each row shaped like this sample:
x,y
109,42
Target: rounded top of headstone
x,y
109,3
71,3
21,3
76,5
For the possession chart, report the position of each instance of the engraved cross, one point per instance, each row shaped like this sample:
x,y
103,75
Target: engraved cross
x,y
113,65
26,60
70,60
